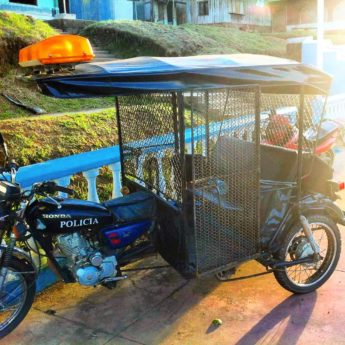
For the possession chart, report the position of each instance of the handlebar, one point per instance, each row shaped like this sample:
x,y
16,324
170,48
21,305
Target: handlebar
x,y
51,188
10,167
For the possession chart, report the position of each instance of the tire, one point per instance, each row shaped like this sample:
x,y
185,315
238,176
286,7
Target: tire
x,y
295,244
29,284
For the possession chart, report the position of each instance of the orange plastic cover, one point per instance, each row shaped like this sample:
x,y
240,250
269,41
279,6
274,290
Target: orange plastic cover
x,y
57,50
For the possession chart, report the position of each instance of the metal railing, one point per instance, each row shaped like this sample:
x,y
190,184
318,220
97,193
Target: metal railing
x,y
89,163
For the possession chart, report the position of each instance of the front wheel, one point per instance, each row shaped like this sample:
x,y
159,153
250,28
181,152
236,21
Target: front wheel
x,y
16,296
304,278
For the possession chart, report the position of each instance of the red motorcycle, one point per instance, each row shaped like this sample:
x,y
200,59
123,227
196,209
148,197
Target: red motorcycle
x,y
281,132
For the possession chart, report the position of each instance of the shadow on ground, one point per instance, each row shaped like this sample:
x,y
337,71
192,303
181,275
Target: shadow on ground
x,y
297,314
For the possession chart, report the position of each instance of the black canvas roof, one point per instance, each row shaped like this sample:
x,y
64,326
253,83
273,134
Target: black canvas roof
x,y
160,74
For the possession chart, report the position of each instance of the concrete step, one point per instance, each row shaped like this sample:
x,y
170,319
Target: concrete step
x,y
97,59
101,54
109,56
99,51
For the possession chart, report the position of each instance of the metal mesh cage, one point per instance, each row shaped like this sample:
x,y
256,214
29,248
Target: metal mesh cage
x,y
280,120
205,153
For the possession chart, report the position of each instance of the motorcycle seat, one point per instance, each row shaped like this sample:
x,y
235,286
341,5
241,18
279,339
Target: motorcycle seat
x,y
133,207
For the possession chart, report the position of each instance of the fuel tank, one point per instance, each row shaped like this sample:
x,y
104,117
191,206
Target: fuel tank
x,y
69,215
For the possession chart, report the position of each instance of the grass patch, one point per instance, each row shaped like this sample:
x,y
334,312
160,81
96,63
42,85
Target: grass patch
x,y
28,93
18,31
47,137
133,38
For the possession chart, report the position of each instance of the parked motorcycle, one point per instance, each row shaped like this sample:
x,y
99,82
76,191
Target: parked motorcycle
x,y
280,131
84,241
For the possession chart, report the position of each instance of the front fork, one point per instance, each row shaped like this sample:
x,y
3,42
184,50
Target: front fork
x,y
5,260
309,234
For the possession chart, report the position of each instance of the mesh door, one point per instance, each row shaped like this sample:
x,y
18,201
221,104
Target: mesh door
x,y
226,184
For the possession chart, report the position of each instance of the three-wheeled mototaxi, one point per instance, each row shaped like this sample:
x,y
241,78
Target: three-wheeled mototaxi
x,y
194,140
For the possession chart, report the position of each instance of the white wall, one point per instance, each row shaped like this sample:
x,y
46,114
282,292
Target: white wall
x,y
123,9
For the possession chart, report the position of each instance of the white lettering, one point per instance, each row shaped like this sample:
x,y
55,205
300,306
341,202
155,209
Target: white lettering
x,y
78,223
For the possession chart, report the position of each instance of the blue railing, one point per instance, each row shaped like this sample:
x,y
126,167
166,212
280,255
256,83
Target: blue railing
x,y
89,163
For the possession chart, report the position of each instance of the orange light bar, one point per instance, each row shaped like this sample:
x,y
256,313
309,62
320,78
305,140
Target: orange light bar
x,y
59,49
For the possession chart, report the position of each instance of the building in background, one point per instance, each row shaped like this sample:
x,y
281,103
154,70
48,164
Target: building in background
x,y
101,9
302,14
71,9
235,12
42,9
161,11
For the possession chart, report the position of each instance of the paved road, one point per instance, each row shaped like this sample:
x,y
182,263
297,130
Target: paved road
x,y
160,307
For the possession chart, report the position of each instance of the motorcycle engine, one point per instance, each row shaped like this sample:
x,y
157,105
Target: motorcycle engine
x,y
88,265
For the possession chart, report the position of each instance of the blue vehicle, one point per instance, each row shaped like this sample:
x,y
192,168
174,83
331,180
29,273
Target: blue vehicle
x,y
202,187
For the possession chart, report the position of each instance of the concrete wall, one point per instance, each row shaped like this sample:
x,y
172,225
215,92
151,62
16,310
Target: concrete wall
x,y
333,62
220,12
102,9
43,10
123,9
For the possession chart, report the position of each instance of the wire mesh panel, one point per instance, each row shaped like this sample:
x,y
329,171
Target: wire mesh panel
x,y
150,142
225,184
280,120
219,155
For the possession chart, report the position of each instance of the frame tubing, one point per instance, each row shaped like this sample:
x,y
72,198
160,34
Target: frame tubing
x,y
300,149
117,107
258,151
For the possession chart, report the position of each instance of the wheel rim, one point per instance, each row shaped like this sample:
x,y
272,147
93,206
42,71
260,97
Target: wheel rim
x,y
12,297
306,275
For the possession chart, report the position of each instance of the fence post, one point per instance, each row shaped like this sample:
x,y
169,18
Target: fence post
x,y
91,176
116,170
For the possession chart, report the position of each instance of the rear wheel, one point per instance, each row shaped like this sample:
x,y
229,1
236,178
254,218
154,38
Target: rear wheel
x,y
308,277
16,296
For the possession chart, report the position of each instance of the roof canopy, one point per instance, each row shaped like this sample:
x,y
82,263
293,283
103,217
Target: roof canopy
x,y
153,74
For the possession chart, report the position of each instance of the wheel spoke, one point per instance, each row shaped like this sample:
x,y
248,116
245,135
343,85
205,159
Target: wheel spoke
x,y
299,247
12,298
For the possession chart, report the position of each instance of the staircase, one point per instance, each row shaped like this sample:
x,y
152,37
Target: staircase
x,y
101,55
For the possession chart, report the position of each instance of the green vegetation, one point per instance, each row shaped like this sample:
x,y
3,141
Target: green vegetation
x,y
134,38
16,32
28,93
46,137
